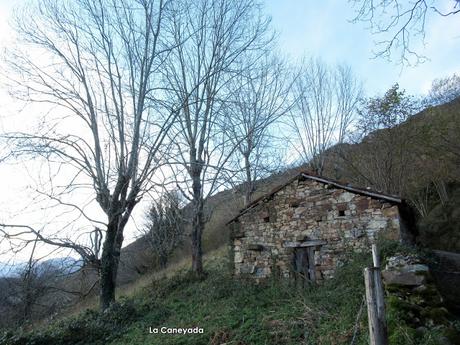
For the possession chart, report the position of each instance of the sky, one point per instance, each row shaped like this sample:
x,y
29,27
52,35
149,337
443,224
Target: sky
x,y
305,28
323,29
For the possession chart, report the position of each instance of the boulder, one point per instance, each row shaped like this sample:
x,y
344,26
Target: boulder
x,y
398,261
395,277
405,270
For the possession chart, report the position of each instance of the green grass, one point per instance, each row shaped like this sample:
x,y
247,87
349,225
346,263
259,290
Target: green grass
x,y
230,311
238,312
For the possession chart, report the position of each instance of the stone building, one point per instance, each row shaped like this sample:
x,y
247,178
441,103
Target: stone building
x,y
303,227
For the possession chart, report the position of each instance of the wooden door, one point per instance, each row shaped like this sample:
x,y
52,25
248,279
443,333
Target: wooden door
x,y
304,264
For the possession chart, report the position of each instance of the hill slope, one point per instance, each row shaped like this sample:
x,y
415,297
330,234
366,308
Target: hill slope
x,y
430,164
232,311
426,134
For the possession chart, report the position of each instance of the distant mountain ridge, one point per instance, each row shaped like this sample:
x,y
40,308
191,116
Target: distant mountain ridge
x,y
65,265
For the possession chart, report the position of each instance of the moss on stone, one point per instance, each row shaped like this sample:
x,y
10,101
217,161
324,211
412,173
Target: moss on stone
x,y
438,315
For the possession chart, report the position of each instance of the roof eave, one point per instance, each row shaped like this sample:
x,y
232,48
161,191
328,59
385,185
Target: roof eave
x,y
369,193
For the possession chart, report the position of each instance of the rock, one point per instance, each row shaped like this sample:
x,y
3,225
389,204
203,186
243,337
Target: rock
x,y
345,197
402,260
237,234
421,330
247,269
420,289
405,270
260,272
395,277
238,257
418,269
255,247
357,233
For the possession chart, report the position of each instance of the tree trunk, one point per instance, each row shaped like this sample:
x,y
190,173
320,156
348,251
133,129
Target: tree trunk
x,y
197,223
249,183
28,300
163,260
109,263
197,250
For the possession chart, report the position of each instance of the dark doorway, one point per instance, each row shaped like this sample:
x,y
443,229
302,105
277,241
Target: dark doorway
x,y
304,264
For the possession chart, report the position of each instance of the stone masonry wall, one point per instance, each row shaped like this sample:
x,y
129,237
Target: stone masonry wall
x,y
308,210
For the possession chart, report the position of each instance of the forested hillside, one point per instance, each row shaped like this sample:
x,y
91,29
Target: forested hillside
x,y
417,159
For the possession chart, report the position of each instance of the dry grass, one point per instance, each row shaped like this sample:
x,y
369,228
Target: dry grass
x,y
136,287
225,205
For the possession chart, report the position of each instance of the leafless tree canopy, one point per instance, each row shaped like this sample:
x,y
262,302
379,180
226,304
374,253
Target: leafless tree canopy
x,y
326,100
259,96
443,90
28,291
99,71
400,24
164,227
214,35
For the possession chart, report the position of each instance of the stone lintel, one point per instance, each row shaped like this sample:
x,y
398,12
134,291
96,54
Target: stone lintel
x,y
311,243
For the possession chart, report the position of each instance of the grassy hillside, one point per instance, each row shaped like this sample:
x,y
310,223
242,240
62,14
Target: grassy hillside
x,y
432,161
232,311
429,139
138,263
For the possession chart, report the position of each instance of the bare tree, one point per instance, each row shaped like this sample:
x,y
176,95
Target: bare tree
x,y
440,140
98,68
164,228
326,100
446,91
259,97
28,291
31,291
383,158
443,90
399,23
218,33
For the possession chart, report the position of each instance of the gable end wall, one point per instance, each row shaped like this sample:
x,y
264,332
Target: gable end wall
x,y
309,210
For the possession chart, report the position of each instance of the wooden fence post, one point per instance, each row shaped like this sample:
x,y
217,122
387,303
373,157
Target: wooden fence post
x,y
375,302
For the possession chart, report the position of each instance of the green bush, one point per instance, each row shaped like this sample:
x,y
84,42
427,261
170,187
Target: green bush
x,y
91,327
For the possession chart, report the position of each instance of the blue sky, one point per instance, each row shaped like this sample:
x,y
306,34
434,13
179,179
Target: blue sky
x,y
323,28
306,28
